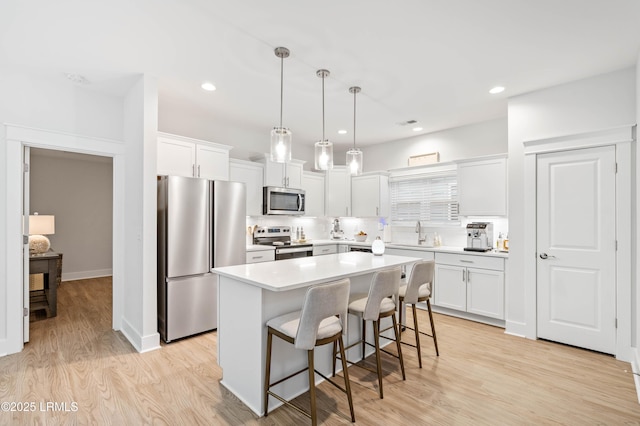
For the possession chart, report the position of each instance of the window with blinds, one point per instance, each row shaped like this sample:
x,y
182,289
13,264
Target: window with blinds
x,y
431,198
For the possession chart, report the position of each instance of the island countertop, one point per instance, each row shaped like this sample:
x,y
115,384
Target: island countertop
x,y
301,272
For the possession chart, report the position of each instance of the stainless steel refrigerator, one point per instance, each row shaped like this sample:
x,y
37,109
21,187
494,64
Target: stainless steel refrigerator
x,y
201,225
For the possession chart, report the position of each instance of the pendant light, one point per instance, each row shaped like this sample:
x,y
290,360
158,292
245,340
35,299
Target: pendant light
x,y
281,136
324,148
354,155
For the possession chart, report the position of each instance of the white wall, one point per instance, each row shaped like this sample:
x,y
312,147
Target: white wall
x,y
591,104
247,143
78,190
83,120
474,140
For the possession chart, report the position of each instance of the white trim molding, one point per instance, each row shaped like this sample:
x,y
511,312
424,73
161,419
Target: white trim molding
x,y
16,138
622,138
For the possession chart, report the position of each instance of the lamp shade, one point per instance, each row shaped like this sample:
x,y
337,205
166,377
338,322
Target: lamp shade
x,y
40,224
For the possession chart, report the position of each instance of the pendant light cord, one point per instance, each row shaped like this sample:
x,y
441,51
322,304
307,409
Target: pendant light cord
x,y
323,139
281,87
354,119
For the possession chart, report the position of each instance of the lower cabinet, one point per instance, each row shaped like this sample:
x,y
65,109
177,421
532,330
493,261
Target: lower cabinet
x,y
468,283
261,256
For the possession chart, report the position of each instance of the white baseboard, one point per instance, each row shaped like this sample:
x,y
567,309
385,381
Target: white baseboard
x,y
83,275
140,343
515,328
635,367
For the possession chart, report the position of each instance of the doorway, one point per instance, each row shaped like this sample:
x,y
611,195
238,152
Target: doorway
x,y
77,189
576,228
17,138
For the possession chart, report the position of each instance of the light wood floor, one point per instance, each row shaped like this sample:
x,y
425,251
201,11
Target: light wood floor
x,y
481,377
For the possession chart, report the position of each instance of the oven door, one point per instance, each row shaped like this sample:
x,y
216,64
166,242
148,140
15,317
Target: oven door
x,y
293,252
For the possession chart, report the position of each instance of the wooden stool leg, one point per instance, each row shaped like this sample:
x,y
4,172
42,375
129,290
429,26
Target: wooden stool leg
x,y
376,334
312,388
400,306
433,328
267,374
398,345
335,354
364,337
347,383
417,333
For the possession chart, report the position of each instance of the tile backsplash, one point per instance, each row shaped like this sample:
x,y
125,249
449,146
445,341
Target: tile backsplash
x,y
316,228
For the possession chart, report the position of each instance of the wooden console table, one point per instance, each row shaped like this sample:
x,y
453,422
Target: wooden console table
x,y
49,264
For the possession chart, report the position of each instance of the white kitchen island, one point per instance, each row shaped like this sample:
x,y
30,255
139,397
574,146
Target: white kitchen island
x,y
250,295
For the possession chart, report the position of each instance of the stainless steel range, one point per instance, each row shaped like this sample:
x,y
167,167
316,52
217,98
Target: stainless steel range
x,y
280,237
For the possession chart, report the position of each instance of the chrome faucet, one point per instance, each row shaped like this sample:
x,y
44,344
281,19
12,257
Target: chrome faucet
x,y
421,238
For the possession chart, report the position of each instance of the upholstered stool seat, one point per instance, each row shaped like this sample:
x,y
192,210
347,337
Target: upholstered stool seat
x,y
377,304
418,289
320,322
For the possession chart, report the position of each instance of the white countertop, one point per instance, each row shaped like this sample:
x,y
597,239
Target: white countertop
x,y
304,271
441,249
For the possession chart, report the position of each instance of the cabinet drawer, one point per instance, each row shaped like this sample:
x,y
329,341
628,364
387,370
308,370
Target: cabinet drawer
x,y
471,261
320,250
261,256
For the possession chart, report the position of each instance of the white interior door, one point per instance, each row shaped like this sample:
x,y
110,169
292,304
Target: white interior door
x,y
25,242
576,248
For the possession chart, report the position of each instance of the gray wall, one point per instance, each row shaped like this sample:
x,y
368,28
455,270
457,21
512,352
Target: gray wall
x,y
78,190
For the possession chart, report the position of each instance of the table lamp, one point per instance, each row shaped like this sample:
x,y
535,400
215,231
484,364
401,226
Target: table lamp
x,y
39,226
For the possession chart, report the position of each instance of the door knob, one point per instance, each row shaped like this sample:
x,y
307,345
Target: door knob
x,y
545,256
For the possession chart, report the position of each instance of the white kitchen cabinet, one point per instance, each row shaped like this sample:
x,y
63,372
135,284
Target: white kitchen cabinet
x,y
313,185
470,283
343,248
482,187
322,250
251,173
257,256
282,175
181,156
370,195
337,200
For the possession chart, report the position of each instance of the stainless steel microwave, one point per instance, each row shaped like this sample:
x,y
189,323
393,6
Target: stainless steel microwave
x,y
282,200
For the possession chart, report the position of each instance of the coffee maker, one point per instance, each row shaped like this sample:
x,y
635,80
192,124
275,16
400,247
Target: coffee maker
x,y
479,236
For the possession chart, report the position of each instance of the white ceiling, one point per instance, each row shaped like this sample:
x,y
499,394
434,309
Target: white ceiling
x,y
425,60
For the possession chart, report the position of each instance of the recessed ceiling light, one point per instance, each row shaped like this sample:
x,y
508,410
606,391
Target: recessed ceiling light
x,y
497,89
342,132
208,86
417,129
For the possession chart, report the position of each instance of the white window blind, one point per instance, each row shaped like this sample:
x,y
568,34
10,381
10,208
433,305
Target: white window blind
x,y
431,198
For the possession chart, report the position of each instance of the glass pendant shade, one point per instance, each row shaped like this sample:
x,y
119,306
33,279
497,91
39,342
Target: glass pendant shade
x,y
354,161
281,136
324,155
280,145
323,152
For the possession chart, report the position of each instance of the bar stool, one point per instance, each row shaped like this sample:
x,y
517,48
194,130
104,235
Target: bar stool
x,y
418,289
316,324
378,304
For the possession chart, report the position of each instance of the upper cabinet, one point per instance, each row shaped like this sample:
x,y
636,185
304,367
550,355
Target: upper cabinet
x,y
313,185
482,187
251,174
337,198
370,195
284,175
181,156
